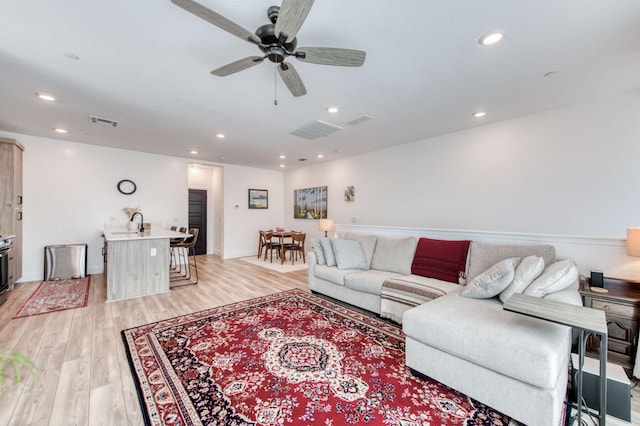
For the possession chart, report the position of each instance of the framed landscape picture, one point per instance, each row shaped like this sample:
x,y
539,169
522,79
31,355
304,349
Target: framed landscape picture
x,y
310,203
258,199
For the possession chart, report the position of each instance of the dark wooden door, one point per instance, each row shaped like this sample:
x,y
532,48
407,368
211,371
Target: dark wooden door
x,y
198,217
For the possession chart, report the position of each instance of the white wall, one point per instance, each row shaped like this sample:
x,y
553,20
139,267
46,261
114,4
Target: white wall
x,y
571,171
241,224
70,193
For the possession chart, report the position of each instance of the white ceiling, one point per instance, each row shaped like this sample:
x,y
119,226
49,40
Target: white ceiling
x,y
147,63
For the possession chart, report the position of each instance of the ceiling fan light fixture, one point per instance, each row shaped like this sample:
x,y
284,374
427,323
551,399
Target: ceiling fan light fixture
x,y
490,38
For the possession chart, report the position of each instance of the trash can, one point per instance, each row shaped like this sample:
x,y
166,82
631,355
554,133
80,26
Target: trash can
x,y
63,262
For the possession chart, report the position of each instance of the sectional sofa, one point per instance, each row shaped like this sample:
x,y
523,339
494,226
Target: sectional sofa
x,y
448,296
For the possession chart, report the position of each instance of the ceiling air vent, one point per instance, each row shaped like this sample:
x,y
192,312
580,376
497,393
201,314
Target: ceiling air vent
x,y
100,120
359,120
316,130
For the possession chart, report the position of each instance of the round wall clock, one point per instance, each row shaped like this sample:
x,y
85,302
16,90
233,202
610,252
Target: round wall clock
x,y
126,186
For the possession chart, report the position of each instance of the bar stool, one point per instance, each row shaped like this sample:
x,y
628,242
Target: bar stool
x,y
173,244
186,248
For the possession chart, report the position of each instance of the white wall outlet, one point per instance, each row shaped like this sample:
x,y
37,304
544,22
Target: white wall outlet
x,y
154,251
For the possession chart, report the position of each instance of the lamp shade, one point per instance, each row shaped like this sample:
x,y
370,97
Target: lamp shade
x,y
326,225
633,242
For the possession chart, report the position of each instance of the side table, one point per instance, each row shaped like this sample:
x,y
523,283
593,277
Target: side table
x,y
578,317
621,305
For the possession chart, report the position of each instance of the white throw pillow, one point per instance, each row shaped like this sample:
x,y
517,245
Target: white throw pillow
x,y
556,277
327,249
528,270
317,249
349,254
492,281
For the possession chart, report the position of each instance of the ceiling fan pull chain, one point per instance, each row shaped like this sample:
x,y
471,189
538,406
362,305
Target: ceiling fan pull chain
x,y
275,84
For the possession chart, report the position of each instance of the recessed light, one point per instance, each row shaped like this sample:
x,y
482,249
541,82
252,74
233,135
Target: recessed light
x,y
490,38
332,110
479,114
193,152
220,135
281,165
320,155
59,130
282,157
45,96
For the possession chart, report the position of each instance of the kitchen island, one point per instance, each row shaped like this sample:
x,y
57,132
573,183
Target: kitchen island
x,y
137,264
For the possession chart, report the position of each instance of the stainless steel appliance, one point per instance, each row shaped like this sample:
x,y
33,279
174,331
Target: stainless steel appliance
x,y
65,261
5,247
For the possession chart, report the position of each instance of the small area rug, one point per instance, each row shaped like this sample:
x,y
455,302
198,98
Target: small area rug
x,y
53,296
288,358
276,266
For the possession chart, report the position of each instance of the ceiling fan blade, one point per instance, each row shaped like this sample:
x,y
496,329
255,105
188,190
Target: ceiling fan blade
x,y
237,66
291,17
291,79
217,20
331,56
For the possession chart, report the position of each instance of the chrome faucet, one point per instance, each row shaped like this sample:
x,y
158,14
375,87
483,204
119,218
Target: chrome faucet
x,y
141,220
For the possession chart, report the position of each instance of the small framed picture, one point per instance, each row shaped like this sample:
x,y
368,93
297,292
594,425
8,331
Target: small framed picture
x,y
258,199
349,194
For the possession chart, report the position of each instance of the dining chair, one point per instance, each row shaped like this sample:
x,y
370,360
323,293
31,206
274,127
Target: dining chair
x,y
296,247
262,242
271,245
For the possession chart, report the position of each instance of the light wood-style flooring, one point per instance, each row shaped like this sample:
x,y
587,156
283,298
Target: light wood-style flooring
x,y
83,377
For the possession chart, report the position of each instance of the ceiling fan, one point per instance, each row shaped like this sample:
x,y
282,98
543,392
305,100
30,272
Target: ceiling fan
x,y
277,41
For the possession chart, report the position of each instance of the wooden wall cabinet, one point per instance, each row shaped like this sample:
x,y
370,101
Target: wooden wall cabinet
x,y
11,202
621,305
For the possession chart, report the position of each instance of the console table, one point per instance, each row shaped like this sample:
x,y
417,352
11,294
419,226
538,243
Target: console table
x,y
578,317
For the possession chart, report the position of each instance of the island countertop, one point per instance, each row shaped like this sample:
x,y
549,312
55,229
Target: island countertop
x,y
122,234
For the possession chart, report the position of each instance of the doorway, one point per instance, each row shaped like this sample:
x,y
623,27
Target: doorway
x,y
198,218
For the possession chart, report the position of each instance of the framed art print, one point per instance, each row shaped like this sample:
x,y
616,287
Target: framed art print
x,y
258,199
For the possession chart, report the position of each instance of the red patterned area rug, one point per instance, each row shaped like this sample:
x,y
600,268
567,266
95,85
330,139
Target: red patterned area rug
x,y
53,296
289,358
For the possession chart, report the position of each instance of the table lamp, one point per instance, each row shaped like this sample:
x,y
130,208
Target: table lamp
x,y
327,225
633,242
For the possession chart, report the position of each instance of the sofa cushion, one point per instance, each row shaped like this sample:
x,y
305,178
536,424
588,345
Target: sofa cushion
x,y
528,270
348,254
483,255
480,331
440,259
556,277
394,254
327,250
368,243
492,281
332,274
368,281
